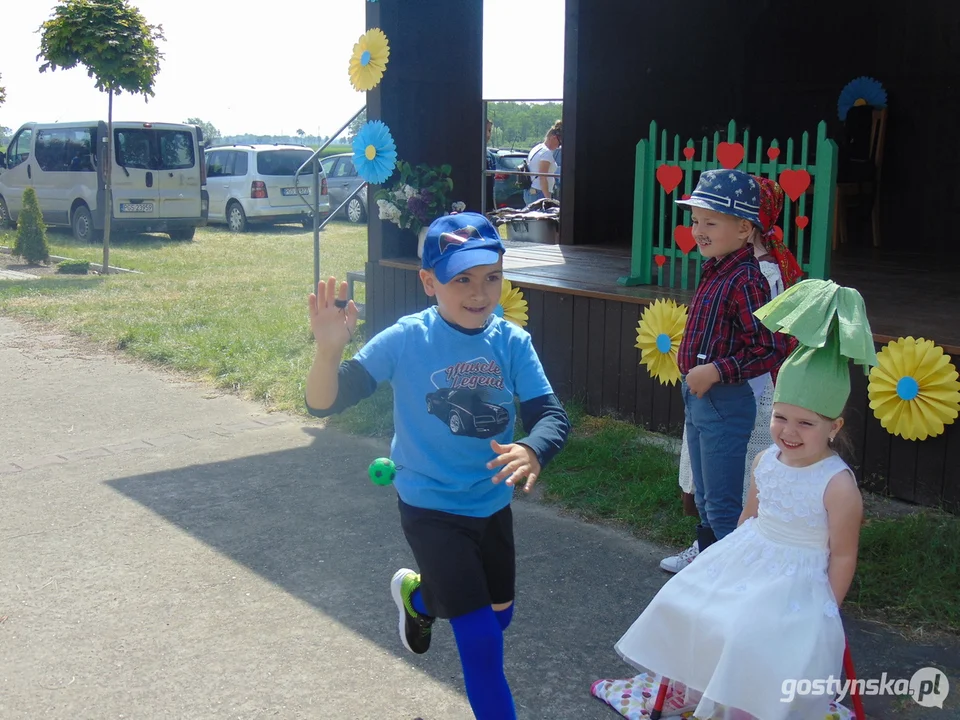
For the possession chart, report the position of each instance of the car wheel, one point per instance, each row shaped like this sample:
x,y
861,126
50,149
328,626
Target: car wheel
x,y
236,218
82,225
182,233
5,221
355,211
456,425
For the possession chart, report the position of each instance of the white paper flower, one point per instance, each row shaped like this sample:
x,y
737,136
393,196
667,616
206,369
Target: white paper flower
x,y
459,206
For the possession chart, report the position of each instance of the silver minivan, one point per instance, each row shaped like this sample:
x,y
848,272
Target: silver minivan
x,y
157,177
255,184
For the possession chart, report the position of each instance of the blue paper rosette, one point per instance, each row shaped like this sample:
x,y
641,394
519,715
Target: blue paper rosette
x,y
374,152
861,91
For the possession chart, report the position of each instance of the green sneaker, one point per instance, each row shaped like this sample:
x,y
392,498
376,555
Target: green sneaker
x,y
415,629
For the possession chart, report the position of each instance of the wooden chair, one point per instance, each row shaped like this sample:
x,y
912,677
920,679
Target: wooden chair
x,y
858,713
858,176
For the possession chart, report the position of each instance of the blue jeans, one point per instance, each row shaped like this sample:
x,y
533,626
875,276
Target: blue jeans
x,y
531,194
718,430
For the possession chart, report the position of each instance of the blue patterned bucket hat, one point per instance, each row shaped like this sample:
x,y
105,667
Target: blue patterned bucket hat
x,y
730,192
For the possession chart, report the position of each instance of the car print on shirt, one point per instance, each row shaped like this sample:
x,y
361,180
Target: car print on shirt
x,y
466,413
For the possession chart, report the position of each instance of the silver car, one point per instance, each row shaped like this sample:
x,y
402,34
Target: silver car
x,y
342,179
255,184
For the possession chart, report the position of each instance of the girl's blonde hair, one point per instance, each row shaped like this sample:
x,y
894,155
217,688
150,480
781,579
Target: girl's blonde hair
x,y
756,238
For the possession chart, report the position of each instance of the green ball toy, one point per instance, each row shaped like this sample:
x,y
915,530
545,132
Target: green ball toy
x,y
382,471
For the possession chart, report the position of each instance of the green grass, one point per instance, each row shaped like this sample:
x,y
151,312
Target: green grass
x,y
908,571
232,309
226,307
610,471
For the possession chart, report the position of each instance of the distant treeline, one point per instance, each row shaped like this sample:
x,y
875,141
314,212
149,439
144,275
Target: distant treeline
x,y
521,125
252,139
515,124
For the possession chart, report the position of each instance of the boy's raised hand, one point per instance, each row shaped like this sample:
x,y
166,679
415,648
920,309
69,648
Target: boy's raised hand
x,y
332,326
518,462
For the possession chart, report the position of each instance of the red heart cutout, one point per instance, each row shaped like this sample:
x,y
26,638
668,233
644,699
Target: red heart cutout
x,y
802,221
669,176
689,152
778,232
730,154
684,197
659,260
773,153
794,183
683,236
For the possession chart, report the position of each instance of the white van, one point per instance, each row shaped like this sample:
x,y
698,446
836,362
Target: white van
x,y
159,177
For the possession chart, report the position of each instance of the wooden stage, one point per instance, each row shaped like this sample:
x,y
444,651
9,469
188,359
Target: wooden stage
x,y
904,294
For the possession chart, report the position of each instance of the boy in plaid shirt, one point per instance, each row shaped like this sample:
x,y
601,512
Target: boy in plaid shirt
x,y
723,346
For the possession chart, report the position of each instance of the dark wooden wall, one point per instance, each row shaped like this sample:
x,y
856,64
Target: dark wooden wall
x,y
587,349
776,67
430,98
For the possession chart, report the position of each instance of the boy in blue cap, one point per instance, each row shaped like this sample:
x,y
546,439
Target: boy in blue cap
x,y
723,346
455,370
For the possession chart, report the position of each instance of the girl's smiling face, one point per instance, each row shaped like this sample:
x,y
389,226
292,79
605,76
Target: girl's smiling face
x,y
470,297
802,436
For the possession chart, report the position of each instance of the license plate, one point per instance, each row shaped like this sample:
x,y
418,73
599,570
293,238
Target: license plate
x,y
136,207
295,191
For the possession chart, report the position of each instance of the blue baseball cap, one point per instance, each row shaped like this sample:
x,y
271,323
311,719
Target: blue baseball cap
x,y
455,243
730,192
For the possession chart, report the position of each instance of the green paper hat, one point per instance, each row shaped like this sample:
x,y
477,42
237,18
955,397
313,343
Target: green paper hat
x,y
830,323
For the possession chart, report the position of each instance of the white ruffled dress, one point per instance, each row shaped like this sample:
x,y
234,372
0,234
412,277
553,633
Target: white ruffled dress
x,y
754,609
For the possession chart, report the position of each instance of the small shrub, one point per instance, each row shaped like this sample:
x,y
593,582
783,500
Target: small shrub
x,y
74,267
31,242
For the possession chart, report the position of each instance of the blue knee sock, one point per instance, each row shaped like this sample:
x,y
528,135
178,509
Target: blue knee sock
x,y
416,599
504,616
480,642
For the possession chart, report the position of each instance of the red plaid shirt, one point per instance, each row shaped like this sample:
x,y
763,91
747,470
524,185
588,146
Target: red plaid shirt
x,y
721,324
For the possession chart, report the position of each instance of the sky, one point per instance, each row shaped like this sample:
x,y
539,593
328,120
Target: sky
x,y
253,71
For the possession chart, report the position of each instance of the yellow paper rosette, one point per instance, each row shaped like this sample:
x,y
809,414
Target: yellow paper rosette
x,y
913,390
369,60
658,337
512,307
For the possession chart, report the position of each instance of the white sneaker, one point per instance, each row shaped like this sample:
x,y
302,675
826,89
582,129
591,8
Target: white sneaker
x,y
676,563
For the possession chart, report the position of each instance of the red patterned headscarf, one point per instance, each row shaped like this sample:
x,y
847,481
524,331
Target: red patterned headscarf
x,y
771,203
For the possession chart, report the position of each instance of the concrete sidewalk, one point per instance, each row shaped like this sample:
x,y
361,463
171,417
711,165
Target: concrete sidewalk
x,y
169,551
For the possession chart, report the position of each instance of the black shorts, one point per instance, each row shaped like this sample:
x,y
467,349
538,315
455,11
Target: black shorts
x,y
465,563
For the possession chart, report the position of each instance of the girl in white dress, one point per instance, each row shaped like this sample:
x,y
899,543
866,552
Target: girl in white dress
x,y
758,610
780,268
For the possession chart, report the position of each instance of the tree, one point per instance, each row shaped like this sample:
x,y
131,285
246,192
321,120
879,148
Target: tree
x,y
31,242
119,49
300,134
521,125
210,133
354,127
3,94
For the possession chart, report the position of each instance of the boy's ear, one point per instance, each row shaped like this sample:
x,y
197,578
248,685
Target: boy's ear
x,y
429,281
746,228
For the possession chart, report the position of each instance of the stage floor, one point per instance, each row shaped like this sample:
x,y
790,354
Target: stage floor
x,y
905,295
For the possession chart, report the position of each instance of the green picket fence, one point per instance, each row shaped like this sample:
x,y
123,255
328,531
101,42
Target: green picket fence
x,y
661,237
